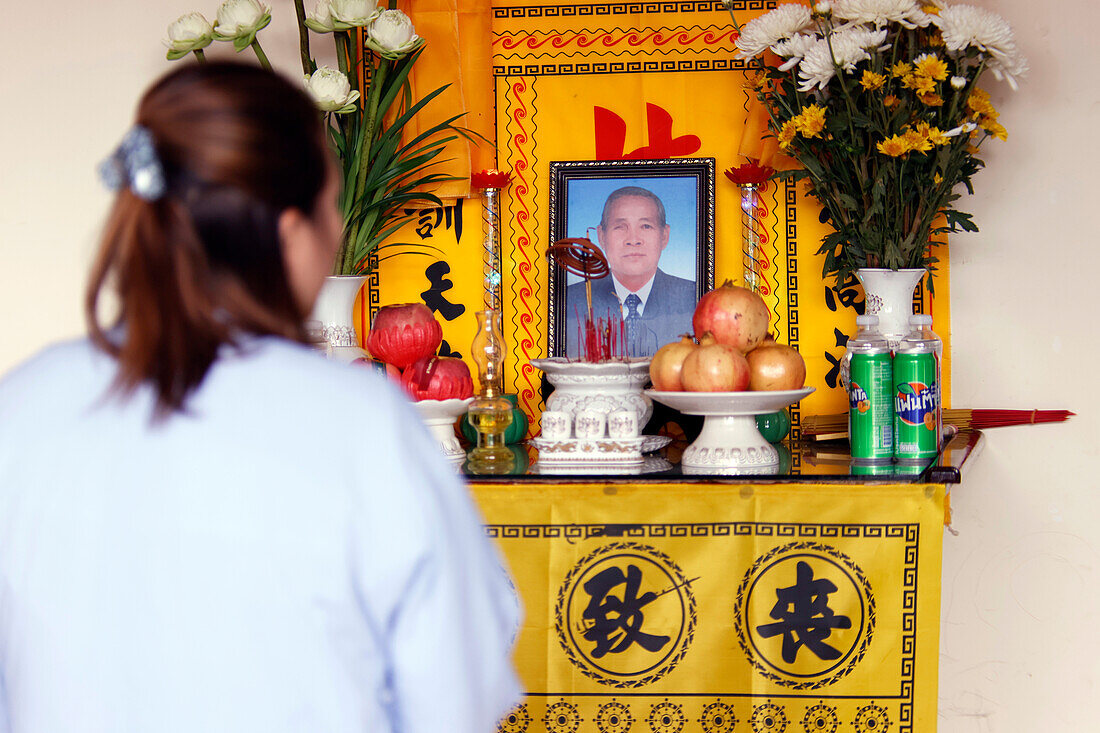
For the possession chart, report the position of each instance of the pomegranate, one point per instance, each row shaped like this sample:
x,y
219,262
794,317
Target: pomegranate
x,y
776,367
736,316
401,334
664,369
714,367
438,378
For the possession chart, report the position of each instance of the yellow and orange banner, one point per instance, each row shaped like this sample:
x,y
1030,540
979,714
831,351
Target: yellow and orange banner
x,y
684,608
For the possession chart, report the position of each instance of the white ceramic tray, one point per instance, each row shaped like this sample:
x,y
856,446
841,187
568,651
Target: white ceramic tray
x,y
729,439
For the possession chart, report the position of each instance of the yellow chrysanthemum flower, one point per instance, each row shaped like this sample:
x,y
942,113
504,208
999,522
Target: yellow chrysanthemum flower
x,y
937,179
811,122
936,137
872,81
994,128
900,69
895,146
935,40
930,65
916,141
932,100
919,83
786,134
978,103
889,101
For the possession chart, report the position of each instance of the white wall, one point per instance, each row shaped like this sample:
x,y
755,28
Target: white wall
x,y
1021,599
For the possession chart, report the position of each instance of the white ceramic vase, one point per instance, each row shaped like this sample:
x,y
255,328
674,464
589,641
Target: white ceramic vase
x,y
332,319
889,295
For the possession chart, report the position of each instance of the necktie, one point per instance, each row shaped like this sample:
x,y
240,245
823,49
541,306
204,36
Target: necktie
x,y
632,318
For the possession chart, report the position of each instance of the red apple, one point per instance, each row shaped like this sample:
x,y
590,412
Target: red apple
x,y
401,334
438,378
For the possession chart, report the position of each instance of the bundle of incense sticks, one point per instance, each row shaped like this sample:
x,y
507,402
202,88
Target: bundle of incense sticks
x,y
602,339
817,425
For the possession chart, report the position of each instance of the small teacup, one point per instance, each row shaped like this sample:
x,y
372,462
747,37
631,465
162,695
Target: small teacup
x,y
589,425
622,424
555,425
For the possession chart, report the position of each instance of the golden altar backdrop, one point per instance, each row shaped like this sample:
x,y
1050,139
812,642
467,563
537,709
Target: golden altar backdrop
x,y
717,608
612,80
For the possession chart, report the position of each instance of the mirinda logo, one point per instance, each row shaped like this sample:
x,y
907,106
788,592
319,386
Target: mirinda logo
x,y
914,402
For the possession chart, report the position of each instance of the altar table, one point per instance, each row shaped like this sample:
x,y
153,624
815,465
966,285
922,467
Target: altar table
x,y
666,603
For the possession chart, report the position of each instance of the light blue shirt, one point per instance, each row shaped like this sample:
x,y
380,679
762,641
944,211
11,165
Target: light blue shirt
x,y
290,555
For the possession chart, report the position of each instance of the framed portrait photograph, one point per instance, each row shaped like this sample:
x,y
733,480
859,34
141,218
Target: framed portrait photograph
x,y
654,222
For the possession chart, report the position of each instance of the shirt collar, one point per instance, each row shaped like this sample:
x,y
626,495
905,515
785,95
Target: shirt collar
x,y
622,291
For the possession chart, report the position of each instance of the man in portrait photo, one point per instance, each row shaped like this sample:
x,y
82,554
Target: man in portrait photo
x,y
655,307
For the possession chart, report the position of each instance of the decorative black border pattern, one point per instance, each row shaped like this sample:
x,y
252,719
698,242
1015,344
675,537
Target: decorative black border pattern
x,y
599,9
909,532
619,67
790,200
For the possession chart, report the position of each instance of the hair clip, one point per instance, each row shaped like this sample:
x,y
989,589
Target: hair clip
x,y
134,164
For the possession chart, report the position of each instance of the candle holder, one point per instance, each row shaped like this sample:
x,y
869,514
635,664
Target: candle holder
x,y
491,182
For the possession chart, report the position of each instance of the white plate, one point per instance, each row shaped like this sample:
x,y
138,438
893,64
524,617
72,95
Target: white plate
x,y
729,403
652,443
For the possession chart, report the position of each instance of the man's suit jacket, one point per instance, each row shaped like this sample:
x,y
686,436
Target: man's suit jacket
x,y
667,313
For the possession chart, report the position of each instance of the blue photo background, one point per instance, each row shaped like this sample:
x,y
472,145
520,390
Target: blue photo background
x,y
584,205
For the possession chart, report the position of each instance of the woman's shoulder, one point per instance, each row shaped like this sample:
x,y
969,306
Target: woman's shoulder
x,y
56,365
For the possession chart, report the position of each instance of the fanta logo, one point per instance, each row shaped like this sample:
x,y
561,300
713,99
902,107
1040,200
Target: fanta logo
x,y
915,400
856,394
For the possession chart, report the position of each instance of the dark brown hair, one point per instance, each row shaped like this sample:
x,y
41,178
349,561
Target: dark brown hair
x,y
203,264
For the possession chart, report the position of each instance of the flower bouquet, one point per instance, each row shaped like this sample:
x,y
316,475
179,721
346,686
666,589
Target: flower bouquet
x,y
878,101
365,114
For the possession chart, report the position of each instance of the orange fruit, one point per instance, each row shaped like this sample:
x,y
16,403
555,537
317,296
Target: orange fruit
x,y
863,406
930,421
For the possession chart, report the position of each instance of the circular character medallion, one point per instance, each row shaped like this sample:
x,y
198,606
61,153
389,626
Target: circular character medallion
x,y
625,614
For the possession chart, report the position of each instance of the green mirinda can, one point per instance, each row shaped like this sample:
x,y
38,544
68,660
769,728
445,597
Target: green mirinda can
x,y
917,412
870,405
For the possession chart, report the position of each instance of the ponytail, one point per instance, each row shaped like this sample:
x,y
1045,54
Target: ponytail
x,y
202,265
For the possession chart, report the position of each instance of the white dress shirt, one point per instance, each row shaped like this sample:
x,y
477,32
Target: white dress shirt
x,y
292,554
623,291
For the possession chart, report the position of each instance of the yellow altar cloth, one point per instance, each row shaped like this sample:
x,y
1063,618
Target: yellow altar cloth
x,y
722,607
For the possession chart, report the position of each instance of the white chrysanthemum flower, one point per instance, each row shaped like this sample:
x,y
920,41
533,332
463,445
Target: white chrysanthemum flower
x,y
188,33
353,13
767,30
843,49
795,48
240,19
331,90
966,26
823,8
958,82
907,13
392,34
319,19
966,127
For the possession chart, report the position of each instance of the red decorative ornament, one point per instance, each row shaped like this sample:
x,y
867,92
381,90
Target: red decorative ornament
x,y
401,334
490,178
750,173
438,378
